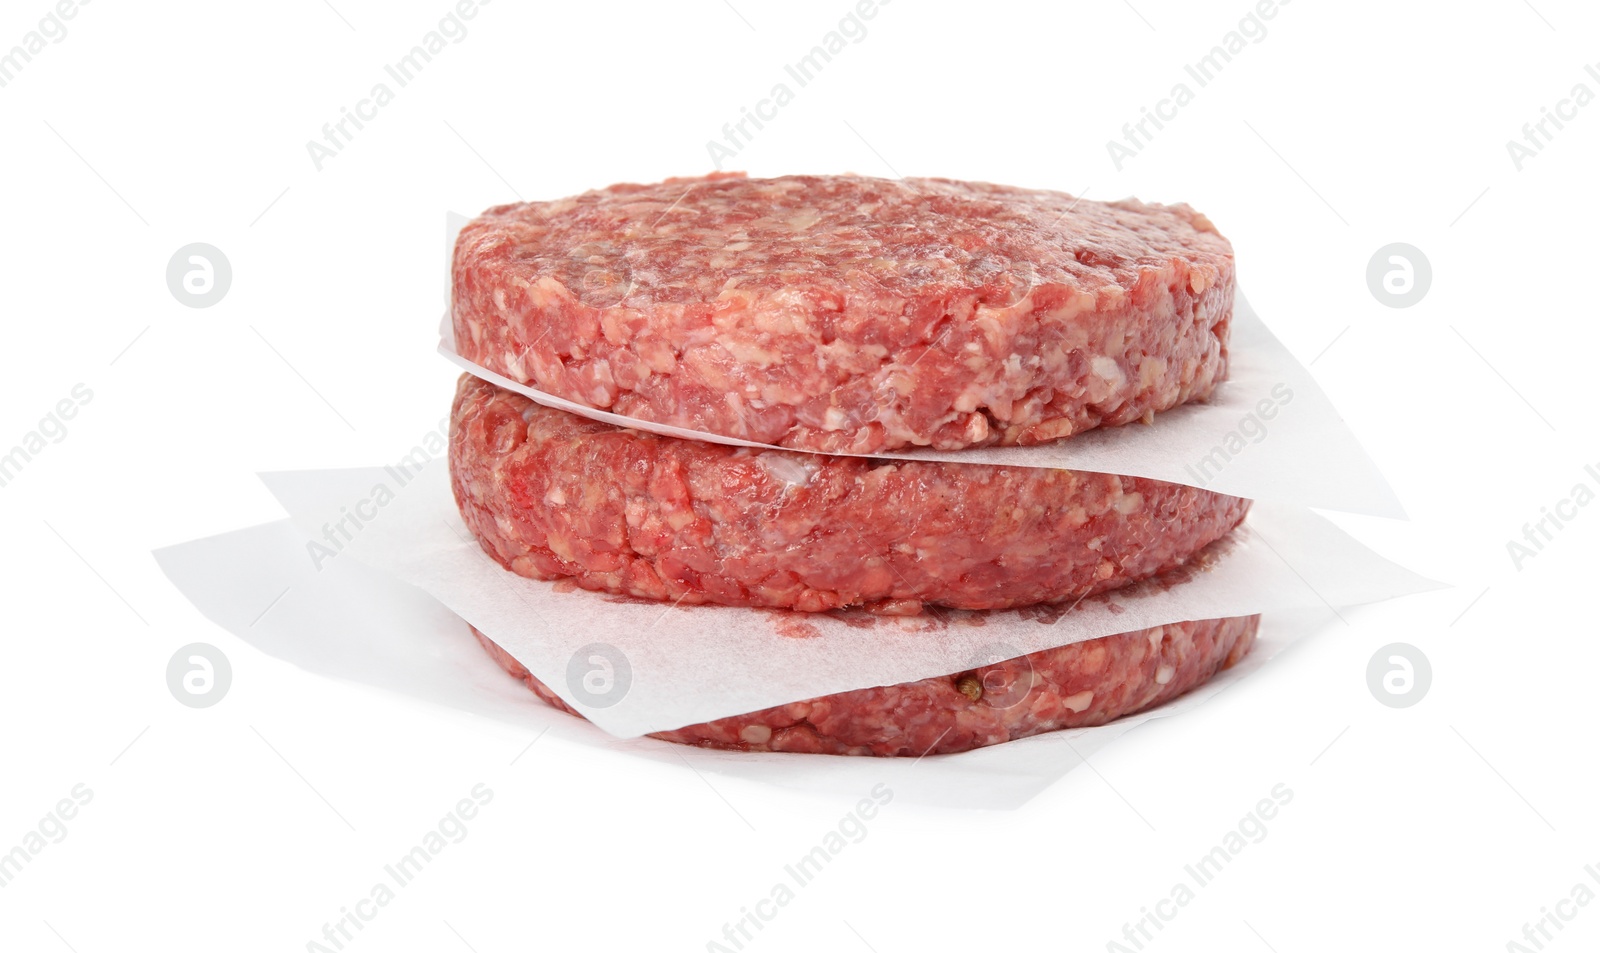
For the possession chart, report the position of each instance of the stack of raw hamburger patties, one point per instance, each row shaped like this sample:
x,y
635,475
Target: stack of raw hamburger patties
x,y
840,317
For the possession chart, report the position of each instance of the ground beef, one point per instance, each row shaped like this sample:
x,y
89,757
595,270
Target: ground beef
x,y
551,495
850,314
1086,683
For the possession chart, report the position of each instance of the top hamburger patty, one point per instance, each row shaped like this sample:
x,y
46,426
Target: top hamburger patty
x,y
850,314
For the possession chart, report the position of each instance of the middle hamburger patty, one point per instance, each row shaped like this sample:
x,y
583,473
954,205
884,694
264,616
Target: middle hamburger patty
x,y
551,495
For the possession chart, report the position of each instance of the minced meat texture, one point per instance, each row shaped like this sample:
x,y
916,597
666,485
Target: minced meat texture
x,y
552,495
1074,686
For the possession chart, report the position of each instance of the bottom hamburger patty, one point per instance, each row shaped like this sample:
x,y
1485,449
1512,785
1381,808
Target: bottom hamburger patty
x,y
1074,686
552,495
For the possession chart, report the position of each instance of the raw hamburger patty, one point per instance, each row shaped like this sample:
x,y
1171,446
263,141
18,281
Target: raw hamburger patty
x,y
552,495
1086,683
850,314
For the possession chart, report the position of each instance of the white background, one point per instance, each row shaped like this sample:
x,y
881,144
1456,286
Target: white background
x,y
1443,826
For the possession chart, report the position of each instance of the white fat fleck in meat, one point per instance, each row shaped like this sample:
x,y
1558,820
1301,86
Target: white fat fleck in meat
x,y
1129,502
752,353
735,404
804,218
1108,370
756,734
789,469
1078,702
1164,674
1151,370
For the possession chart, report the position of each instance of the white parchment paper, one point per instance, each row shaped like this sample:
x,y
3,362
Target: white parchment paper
x,y
692,664
346,621
1267,433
